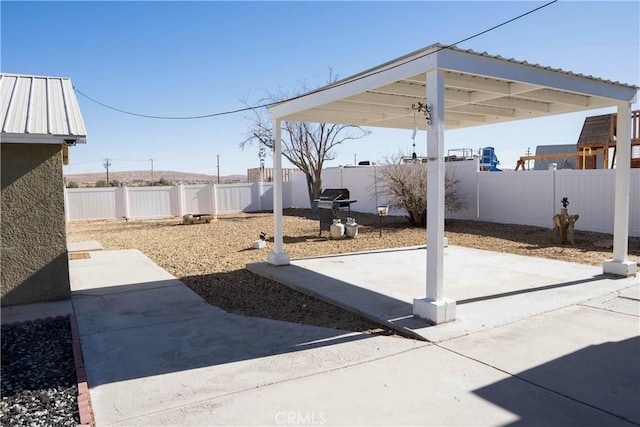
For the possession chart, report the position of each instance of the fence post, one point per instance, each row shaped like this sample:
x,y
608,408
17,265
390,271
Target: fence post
x,y
477,176
213,197
66,204
181,199
120,201
260,189
125,201
553,167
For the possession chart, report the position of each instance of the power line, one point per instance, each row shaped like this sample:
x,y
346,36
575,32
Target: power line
x,y
204,116
269,104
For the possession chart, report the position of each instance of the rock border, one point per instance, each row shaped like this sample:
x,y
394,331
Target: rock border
x,y
84,398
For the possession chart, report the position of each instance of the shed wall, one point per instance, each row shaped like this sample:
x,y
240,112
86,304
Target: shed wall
x,y
33,237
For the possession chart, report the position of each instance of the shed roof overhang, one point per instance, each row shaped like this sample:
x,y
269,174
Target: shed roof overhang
x,y
479,89
39,110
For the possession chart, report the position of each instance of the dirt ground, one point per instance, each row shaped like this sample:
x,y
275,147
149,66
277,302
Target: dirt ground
x,y
211,258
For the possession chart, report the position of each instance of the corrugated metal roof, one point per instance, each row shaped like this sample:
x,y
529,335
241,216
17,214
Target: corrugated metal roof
x,y
479,89
543,67
436,47
39,109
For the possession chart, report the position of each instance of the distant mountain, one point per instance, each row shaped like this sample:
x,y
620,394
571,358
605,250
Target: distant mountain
x,y
144,176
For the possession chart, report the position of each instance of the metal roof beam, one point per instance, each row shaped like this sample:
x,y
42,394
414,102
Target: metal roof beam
x,y
347,106
518,104
472,83
483,110
404,89
381,99
551,95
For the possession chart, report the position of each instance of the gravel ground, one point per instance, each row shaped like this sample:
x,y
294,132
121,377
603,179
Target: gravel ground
x,y
38,381
210,258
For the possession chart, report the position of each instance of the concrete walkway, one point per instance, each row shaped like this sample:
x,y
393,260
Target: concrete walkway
x,y
156,354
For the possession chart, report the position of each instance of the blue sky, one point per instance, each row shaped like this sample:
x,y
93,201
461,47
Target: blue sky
x,y
194,58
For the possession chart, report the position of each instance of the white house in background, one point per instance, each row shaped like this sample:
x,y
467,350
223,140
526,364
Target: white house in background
x,y
266,174
454,89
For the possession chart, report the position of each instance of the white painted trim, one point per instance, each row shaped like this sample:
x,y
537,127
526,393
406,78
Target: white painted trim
x,y
27,138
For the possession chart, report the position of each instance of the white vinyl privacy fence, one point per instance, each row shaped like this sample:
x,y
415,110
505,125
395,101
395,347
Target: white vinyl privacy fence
x,y
510,197
163,202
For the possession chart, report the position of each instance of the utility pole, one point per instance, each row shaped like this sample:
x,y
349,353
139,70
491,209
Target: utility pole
x,y
355,161
151,160
107,163
528,154
218,166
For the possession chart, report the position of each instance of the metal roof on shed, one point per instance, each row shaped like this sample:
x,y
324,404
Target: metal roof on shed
x,y
39,109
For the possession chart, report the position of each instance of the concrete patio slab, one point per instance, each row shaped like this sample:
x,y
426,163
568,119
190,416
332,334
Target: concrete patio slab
x,y
554,350
490,288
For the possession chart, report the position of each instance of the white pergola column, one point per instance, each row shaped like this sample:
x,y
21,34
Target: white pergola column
x,y
435,307
278,256
620,265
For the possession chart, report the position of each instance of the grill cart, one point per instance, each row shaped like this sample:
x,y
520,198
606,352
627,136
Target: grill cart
x,y
330,203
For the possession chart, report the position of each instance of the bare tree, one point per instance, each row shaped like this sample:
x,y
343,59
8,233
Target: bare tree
x,y
405,186
306,145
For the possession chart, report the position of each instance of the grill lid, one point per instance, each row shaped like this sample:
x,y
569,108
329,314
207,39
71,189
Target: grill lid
x,y
334,194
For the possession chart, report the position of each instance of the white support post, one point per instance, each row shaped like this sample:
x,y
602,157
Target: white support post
x,y
278,256
620,265
435,307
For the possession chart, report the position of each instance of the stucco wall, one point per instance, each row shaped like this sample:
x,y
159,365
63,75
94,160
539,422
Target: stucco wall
x,y
33,236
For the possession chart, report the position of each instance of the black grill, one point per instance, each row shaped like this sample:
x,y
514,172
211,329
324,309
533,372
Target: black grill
x,y
330,203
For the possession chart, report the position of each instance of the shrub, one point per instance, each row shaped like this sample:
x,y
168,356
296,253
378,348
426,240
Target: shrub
x,y
405,186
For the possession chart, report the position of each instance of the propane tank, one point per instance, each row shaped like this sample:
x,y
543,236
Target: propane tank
x,y
337,229
351,228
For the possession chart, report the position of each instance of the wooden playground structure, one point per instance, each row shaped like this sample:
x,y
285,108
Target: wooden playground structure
x,y
598,136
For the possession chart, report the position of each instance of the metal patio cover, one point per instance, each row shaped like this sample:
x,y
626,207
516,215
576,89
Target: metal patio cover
x,y
479,88
461,88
